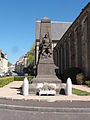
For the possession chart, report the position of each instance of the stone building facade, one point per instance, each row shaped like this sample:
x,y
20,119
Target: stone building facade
x,y
21,64
55,30
73,48
3,62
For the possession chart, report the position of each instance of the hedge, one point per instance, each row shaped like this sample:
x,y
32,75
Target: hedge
x,y
6,80
21,78
87,83
71,72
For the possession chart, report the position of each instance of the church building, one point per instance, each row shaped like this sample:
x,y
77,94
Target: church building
x,y
70,41
73,48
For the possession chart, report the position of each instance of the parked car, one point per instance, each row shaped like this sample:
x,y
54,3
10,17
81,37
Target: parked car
x,y
1,74
8,74
14,74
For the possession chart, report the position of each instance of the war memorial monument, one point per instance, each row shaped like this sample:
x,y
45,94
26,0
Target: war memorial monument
x,y
45,67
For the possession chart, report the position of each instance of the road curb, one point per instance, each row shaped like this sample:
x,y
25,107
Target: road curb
x,y
47,100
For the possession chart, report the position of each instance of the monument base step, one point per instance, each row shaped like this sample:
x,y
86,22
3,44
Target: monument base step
x,y
33,86
46,78
33,89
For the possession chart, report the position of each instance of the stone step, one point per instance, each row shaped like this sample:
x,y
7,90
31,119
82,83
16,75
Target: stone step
x,y
48,80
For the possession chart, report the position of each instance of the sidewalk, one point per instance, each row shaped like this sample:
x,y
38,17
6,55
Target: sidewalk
x,y
12,91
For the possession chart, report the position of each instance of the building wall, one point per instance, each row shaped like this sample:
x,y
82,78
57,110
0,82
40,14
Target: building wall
x,y
21,64
3,64
19,67
73,48
88,42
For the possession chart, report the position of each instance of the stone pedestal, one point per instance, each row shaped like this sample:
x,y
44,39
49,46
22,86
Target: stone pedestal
x,y
45,73
33,87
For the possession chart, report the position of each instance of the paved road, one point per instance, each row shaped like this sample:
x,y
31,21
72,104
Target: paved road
x,y
28,115
42,110
58,104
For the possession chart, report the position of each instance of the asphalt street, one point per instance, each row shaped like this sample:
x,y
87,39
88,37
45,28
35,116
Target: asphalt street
x,y
42,103
28,115
43,110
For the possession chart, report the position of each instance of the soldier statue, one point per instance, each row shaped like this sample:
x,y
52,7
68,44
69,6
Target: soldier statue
x,y
45,47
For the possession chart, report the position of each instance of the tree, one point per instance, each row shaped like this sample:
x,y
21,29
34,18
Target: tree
x,y
31,56
9,64
30,59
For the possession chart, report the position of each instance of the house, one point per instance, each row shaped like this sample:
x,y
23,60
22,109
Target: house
x,y
21,64
3,62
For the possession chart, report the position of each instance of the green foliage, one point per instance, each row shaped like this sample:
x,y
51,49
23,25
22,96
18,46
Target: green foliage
x,y
80,78
6,80
18,78
31,56
80,92
9,64
87,83
21,78
30,61
71,72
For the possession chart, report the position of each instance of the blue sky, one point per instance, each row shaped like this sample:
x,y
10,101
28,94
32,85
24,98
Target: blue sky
x,y
18,17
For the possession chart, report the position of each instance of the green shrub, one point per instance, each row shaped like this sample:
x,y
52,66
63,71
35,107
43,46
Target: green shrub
x,y
30,78
80,78
21,78
87,83
5,80
18,78
71,72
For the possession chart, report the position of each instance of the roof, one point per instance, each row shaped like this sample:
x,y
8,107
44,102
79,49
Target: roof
x,y
2,55
57,29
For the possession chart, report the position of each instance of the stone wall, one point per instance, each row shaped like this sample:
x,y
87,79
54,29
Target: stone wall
x,y
88,42
73,49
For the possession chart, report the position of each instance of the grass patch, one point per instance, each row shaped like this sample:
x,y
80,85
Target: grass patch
x,y
80,92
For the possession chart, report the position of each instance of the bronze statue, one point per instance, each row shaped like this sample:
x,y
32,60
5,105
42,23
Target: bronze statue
x,y
45,47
